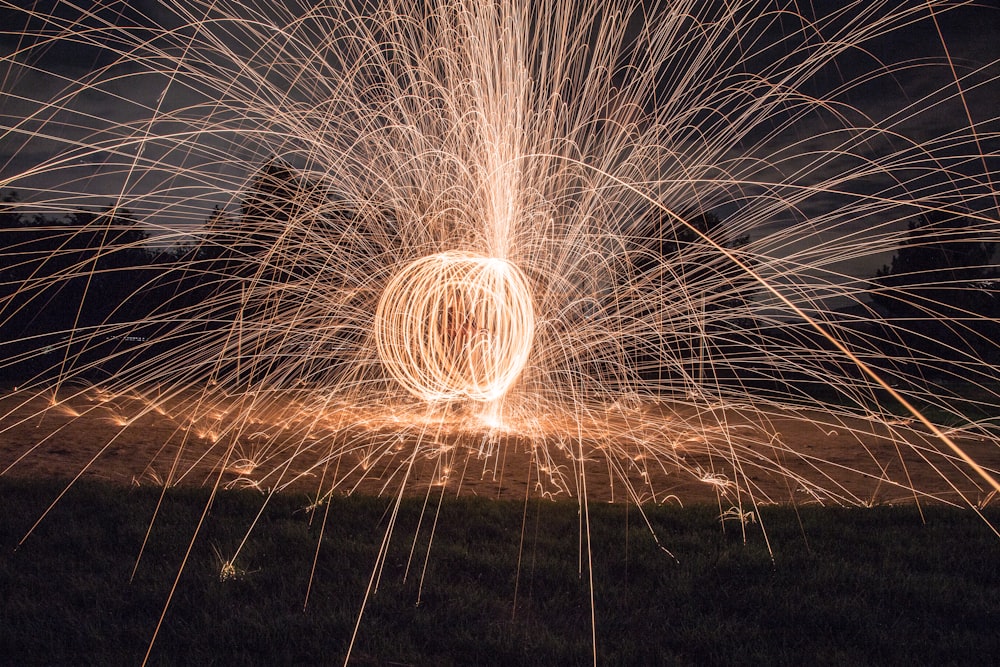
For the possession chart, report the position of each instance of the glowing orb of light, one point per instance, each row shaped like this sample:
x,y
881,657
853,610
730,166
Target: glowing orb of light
x,y
456,325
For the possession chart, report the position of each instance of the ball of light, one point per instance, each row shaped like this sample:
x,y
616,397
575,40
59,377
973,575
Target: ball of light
x,y
455,325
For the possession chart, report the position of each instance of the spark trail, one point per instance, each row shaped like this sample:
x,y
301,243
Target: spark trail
x,y
617,250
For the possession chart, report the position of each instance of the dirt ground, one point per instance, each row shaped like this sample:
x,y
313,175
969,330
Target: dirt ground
x,y
734,457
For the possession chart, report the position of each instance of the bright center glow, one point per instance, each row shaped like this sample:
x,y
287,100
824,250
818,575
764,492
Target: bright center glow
x,y
456,325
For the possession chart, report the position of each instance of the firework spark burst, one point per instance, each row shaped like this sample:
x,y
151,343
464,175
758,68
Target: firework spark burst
x,y
624,248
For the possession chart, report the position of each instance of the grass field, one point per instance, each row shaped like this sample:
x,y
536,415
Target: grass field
x,y
503,583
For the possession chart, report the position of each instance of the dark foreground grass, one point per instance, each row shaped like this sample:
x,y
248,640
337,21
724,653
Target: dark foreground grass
x,y
845,587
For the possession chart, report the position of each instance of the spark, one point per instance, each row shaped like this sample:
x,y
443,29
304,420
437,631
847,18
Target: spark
x,y
616,246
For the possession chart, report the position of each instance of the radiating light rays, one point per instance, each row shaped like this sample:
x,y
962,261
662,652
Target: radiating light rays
x,y
663,222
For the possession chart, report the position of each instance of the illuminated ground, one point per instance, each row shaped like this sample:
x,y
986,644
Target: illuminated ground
x,y
672,454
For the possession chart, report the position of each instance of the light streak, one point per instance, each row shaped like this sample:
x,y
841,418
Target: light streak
x,y
452,326
467,246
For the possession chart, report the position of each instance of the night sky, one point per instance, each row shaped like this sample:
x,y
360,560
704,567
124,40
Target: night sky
x,y
917,101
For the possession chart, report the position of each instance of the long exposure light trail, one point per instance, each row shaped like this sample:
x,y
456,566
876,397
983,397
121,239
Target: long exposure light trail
x,y
453,326
665,252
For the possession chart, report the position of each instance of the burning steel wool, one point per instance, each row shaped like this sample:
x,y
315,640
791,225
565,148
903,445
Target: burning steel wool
x,y
735,252
625,250
453,325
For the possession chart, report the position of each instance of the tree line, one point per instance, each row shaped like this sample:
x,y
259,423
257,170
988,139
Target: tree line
x,y
85,272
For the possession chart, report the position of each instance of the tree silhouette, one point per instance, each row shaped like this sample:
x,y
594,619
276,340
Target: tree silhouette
x,y
932,271
70,280
940,293
684,258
